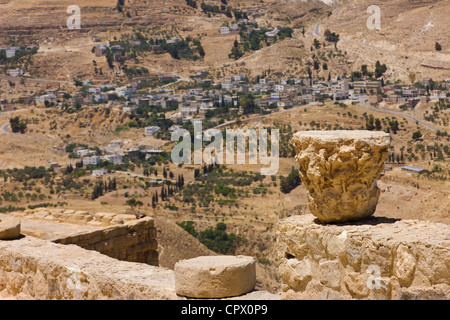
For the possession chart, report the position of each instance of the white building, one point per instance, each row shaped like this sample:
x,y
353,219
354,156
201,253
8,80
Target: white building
x,y
189,109
15,72
342,85
11,52
437,94
275,96
279,87
94,160
114,158
173,41
116,144
227,86
224,30
94,90
83,152
149,131
46,97
99,172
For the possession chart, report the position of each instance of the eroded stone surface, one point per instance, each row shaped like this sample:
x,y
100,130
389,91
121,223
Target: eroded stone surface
x,y
9,227
375,258
339,170
215,276
32,268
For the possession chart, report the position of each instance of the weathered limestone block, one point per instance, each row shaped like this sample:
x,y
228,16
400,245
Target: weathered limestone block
x,y
340,170
215,276
329,273
32,268
375,258
9,227
296,274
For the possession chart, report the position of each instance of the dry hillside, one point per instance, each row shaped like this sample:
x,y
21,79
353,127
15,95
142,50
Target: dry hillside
x,y
406,40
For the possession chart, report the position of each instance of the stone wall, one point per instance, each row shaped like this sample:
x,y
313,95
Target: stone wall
x,y
133,241
80,217
32,268
376,258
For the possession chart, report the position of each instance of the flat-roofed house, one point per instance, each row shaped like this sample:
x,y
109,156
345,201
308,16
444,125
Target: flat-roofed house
x,y
94,160
414,169
149,131
15,72
99,172
11,52
224,30
189,109
116,144
114,158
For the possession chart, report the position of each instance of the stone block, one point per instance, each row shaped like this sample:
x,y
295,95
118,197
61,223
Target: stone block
x,y
9,227
215,276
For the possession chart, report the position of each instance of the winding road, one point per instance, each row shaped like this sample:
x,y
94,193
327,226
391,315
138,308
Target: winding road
x,y
4,129
365,105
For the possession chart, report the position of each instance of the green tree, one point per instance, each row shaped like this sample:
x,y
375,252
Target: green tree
x,y
437,46
134,203
17,125
247,102
380,69
289,183
189,226
316,44
378,124
417,135
316,65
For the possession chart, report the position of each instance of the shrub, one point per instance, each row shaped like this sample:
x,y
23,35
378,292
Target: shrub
x,y
289,183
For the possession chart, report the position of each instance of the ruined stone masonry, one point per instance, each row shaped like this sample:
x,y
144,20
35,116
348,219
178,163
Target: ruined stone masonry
x,y
68,254
32,268
119,236
133,241
376,258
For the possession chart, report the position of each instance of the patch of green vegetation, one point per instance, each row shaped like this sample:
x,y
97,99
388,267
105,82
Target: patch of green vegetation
x,y
216,239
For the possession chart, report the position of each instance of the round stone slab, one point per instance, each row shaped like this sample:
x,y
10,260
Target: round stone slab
x,y
215,276
340,170
9,227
